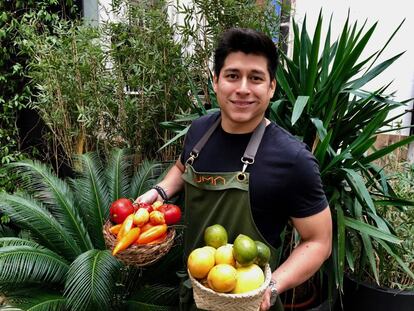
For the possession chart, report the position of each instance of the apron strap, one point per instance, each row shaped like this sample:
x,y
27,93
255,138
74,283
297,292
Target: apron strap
x,y
249,153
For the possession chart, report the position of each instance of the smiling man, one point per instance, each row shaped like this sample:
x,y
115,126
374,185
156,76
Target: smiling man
x,y
267,177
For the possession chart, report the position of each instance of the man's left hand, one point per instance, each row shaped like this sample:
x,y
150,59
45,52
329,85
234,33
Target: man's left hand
x,y
266,301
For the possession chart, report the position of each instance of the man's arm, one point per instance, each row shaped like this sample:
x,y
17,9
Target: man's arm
x,y
172,184
306,259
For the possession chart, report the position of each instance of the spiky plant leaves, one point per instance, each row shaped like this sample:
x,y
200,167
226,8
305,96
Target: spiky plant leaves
x,y
92,194
144,178
118,174
153,298
91,281
29,264
33,216
57,196
30,299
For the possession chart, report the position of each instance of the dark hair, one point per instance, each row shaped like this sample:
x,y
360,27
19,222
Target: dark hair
x,y
248,41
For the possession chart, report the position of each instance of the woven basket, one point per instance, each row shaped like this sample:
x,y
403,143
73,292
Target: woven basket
x,y
207,299
139,255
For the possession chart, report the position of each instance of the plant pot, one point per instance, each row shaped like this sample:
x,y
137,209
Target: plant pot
x,y
365,296
310,296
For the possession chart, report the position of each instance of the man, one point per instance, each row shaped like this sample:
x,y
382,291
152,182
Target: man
x,y
240,170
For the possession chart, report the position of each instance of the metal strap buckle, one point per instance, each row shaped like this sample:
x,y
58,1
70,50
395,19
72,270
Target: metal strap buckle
x,y
246,161
192,157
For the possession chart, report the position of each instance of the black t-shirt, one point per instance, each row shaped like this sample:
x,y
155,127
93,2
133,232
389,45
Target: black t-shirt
x,y
284,179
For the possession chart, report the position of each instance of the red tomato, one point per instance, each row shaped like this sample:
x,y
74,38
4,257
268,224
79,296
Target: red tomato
x,y
147,206
172,213
120,209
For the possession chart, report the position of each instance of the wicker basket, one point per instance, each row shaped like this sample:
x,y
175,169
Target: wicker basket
x,y
139,255
207,299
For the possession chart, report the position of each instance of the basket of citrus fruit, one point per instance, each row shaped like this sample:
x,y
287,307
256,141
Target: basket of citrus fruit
x,y
140,234
227,276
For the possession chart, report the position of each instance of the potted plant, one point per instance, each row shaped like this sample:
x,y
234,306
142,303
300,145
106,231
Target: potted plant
x,y
58,261
323,102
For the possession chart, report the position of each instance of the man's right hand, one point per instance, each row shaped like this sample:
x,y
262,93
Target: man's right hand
x,y
148,197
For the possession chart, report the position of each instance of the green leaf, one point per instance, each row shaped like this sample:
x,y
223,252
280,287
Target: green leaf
x,y
384,151
26,264
144,178
92,194
31,215
402,264
298,107
313,59
91,281
370,230
341,244
33,299
357,183
118,173
57,197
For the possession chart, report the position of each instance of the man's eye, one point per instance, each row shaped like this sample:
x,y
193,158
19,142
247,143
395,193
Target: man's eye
x,y
232,76
257,78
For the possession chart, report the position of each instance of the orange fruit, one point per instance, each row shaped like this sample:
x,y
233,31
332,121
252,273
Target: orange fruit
x,y
224,254
200,261
222,278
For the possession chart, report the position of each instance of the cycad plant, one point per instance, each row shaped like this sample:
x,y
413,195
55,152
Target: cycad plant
x,y
322,101
59,261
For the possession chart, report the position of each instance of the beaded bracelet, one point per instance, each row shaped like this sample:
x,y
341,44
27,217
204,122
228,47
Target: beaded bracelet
x,y
161,192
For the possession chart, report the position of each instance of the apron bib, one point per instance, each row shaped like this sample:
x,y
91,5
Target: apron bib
x,y
219,198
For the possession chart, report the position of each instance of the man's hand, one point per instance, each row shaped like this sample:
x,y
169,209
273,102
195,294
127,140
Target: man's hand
x,y
266,301
148,197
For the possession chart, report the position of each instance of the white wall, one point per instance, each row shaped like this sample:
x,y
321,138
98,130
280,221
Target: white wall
x,y
389,15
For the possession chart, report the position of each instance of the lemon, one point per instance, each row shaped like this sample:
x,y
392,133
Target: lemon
x,y
222,278
215,236
263,254
244,250
248,278
224,254
200,261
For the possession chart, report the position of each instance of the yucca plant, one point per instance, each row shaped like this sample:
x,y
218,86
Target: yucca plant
x,y
59,260
322,101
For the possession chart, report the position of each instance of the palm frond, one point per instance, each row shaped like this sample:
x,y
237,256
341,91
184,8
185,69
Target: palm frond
x,y
33,216
91,281
154,297
144,178
57,196
118,173
92,195
30,299
13,241
27,264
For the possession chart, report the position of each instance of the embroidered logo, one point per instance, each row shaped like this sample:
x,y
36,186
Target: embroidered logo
x,y
210,180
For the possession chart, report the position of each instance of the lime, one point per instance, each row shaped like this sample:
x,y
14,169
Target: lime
x,y
263,254
215,236
244,250
248,279
222,278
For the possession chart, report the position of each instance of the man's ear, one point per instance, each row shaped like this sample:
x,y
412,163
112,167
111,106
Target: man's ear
x,y
273,86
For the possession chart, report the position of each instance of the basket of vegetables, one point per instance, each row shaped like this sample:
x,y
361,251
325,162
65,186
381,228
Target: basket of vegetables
x,y
140,235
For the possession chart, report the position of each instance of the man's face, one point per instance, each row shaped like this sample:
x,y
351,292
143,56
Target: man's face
x,y
244,90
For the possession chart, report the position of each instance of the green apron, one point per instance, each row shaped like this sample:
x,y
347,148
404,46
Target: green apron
x,y
219,198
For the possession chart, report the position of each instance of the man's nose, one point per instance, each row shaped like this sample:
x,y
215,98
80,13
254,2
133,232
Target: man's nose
x,y
243,87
